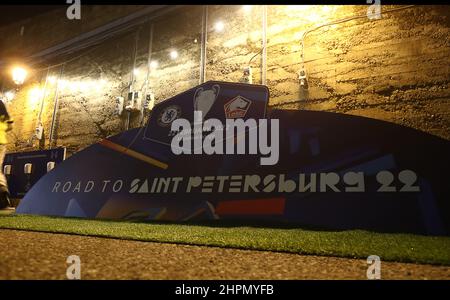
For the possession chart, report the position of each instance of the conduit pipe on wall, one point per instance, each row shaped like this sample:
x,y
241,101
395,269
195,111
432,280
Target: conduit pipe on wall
x,y
149,61
39,120
204,39
264,46
43,96
132,75
149,54
263,51
55,107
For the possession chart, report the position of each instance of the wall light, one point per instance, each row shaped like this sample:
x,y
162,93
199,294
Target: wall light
x,y
327,8
297,7
219,26
310,13
19,75
173,54
35,95
72,86
153,64
9,95
52,79
63,83
99,84
83,86
247,8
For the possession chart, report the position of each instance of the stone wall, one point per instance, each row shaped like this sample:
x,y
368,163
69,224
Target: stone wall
x,y
45,30
395,69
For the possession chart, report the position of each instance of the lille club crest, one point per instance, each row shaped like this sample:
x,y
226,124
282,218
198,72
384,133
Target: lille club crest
x,y
237,107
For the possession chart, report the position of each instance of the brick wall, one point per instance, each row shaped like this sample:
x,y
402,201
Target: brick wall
x,y
395,69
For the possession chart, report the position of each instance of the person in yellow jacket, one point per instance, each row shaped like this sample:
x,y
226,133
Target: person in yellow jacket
x,y
5,126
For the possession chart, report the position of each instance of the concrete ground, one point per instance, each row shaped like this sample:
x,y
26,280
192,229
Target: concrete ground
x,y
33,255
7,211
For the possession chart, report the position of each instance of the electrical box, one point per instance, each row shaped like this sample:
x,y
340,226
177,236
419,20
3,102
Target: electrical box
x,y
119,105
149,101
39,131
133,101
50,166
27,168
303,80
7,170
247,76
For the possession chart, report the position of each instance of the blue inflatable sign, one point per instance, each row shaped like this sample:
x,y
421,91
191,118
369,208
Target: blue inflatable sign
x,y
332,171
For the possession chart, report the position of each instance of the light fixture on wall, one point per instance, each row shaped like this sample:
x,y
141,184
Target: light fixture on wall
x,y
219,26
9,95
173,54
154,64
63,84
19,74
327,8
83,86
246,8
52,80
34,95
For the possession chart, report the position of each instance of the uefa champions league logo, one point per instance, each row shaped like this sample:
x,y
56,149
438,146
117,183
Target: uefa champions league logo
x,y
204,99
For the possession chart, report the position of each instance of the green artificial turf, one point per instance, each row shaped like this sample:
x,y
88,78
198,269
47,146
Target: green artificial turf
x,y
349,243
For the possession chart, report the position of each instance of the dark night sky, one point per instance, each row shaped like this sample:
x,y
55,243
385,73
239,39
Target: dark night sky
x,y
12,13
